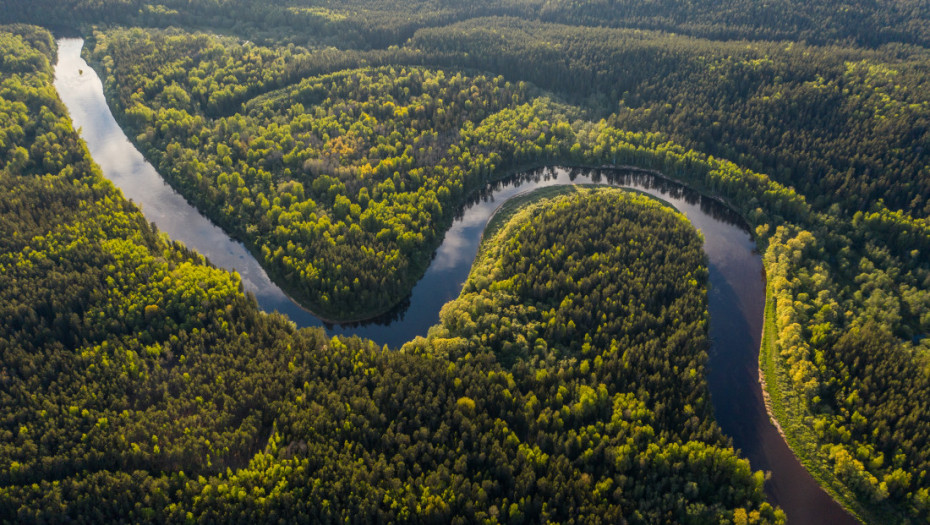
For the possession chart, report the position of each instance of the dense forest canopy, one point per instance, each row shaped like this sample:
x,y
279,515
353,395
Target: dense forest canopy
x,y
337,139
141,384
842,125
380,23
830,261
342,182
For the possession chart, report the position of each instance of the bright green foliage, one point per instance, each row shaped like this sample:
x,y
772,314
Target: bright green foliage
x,y
283,147
331,181
112,339
831,269
824,120
858,390
594,303
599,287
342,184
139,384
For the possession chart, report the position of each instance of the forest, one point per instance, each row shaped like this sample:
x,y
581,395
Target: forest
x,y
382,23
140,384
338,140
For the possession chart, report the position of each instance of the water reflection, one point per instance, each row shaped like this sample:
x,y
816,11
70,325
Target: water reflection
x,y
723,231
735,275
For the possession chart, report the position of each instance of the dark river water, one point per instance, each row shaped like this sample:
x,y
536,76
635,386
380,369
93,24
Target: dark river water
x,y
736,292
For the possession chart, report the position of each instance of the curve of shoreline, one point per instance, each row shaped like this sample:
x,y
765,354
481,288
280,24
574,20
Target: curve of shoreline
x,y
736,297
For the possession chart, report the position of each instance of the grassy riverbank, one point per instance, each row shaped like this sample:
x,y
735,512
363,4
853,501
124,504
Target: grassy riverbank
x,y
793,421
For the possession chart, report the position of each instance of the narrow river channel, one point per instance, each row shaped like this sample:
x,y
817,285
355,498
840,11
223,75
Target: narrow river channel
x,y
735,303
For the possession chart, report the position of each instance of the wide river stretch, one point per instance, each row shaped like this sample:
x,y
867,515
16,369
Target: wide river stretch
x,y
736,292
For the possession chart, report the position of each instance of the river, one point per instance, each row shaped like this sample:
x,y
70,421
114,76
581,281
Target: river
x,y
735,302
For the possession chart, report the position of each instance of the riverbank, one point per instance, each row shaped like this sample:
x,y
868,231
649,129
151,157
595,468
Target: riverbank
x,y
788,415
735,303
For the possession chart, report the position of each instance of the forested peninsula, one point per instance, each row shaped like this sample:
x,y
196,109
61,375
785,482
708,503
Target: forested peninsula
x,y
338,139
143,385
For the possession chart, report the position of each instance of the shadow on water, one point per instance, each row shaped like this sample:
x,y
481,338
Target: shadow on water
x,y
392,316
737,289
64,31
733,380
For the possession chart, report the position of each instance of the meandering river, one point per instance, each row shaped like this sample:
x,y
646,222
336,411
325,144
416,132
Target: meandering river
x,y
735,302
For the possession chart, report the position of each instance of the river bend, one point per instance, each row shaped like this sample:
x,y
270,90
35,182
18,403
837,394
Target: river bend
x,y
735,302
